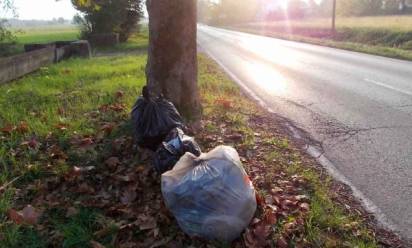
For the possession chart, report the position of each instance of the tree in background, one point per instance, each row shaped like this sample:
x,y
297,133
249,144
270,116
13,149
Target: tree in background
x,y
396,7
228,11
371,7
205,8
6,36
359,7
107,16
296,9
322,9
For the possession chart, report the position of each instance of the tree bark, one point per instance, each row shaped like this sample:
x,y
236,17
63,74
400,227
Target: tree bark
x,y
172,63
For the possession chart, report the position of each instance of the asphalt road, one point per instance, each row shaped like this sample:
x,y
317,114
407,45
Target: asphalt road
x,y
357,106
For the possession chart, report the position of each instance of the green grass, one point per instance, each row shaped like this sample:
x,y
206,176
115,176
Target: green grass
x,y
72,88
389,36
76,86
62,94
40,35
136,44
45,35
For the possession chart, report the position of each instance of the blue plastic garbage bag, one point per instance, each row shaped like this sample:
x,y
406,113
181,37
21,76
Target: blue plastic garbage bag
x,y
210,196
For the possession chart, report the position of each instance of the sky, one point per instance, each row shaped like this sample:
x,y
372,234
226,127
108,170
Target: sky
x,y
44,9
49,9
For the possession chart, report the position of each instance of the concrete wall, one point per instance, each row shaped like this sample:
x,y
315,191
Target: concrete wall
x,y
19,65
39,55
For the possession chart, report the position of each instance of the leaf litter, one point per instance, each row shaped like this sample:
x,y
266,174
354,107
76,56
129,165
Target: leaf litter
x,y
124,189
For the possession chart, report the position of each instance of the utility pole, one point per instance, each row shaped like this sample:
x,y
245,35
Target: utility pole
x,y
334,17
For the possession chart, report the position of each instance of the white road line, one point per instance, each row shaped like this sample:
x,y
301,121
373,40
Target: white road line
x,y
388,86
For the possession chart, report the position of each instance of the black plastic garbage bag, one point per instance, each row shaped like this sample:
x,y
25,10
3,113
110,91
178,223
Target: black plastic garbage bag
x,y
153,118
175,146
210,196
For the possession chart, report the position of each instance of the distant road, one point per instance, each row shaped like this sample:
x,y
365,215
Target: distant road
x,y
358,106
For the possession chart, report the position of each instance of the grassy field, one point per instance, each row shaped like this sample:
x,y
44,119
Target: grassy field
x,y
41,35
46,34
393,23
65,33
384,35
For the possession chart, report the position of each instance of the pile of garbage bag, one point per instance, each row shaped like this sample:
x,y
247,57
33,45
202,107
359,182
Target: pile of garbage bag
x,y
176,144
209,194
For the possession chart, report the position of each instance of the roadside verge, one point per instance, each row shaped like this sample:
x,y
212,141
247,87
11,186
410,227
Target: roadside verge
x,y
338,190
390,52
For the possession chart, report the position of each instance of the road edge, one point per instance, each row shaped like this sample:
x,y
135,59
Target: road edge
x,y
311,147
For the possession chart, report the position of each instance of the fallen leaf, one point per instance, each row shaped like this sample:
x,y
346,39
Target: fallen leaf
x,y
30,215
286,204
15,216
235,137
86,142
61,126
112,162
107,128
96,244
270,217
288,227
128,196
161,243
8,129
276,199
227,104
117,107
281,243
255,221
118,143
71,211
55,152
60,111
119,94
104,108
301,198
262,232
304,206
273,207
131,177
259,200
146,222
23,127
276,190
32,143
249,238
85,188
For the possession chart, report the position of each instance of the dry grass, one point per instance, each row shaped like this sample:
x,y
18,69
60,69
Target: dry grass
x,y
394,23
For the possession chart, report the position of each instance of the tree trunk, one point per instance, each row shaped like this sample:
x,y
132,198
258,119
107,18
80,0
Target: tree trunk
x,y
172,63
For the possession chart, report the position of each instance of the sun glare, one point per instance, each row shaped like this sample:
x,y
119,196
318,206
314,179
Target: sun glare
x,y
284,4
271,51
266,78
